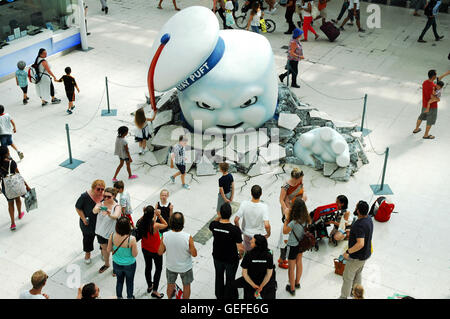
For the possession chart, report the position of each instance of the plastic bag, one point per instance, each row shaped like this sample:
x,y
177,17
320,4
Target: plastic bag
x,y
229,20
263,25
31,200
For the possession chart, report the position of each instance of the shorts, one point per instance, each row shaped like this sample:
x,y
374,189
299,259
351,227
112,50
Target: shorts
x,y
323,13
181,168
124,159
70,95
6,140
350,14
220,200
292,252
24,89
102,240
430,117
186,277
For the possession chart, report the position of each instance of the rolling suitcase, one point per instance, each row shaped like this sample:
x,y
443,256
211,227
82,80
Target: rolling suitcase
x,y
330,31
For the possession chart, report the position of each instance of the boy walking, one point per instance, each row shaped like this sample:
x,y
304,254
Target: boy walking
x,y
7,127
353,12
69,85
21,80
178,156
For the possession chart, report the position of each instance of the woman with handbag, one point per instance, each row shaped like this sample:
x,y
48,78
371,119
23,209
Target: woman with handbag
x,y
13,185
149,231
124,251
296,220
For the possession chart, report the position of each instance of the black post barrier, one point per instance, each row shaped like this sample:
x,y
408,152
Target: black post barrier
x,y
108,112
71,162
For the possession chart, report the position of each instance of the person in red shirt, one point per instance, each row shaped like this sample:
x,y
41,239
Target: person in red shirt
x,y
428,113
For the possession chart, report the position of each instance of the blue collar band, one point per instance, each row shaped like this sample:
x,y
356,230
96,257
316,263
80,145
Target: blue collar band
x,y
209,64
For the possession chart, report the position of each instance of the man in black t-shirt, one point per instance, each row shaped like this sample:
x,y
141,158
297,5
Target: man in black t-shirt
x,y
227,250
360,249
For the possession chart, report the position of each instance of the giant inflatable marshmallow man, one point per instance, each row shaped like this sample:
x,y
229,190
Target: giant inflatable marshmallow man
x,y
225,78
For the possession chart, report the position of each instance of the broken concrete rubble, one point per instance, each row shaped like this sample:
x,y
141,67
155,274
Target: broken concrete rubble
x,y
251,151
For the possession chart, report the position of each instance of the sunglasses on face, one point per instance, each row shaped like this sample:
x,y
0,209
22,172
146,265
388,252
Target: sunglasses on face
x,y
99,189
107,196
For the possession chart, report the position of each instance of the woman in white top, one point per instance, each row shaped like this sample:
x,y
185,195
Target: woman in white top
x,y
108,212
144,129
255,15
45,88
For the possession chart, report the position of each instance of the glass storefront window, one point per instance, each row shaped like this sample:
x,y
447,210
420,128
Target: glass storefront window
x,y
19,18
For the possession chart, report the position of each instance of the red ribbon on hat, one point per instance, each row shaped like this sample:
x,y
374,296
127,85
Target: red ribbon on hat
x,y
151,72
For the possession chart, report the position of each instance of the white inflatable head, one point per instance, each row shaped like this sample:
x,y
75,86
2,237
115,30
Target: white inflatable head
x,y
226,79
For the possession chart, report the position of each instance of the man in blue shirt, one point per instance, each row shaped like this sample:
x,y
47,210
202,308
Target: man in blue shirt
x,y
360,249
431,9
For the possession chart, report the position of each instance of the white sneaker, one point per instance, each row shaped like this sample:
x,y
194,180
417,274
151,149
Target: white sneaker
x,y
87,261
272,11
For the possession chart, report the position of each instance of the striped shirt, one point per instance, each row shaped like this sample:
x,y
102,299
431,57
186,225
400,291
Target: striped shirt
x,y
178,150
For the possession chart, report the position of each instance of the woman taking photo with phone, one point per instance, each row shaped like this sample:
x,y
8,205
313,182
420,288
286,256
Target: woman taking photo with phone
x,y
107,211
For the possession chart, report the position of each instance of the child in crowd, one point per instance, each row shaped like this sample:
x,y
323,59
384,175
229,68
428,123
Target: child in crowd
x,y
165,207
178,157
226,186
122,151
358,292
144,129
7,128
436,95
22,80
69,85
124,201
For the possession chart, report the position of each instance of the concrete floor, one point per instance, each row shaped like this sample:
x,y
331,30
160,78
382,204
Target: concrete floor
x,y
410,251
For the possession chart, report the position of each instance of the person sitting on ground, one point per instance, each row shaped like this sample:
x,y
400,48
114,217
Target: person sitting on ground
x,y
341,228
38,280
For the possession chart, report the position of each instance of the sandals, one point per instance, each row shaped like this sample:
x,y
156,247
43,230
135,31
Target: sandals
x,y
417,131
429,137
156,296
103,269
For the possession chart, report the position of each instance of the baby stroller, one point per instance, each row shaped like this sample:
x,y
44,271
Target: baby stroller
x,y
320,216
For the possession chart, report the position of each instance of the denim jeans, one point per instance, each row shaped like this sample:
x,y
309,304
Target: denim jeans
x,y
225,291
431,22
255,28
124,273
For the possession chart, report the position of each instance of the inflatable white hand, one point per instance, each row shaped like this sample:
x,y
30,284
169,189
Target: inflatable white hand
x,y
325,144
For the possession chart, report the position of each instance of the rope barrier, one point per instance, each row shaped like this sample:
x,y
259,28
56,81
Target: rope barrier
x,y
93,116
127,86
332,97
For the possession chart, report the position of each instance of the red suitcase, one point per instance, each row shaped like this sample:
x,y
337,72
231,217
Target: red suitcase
x,y
330,31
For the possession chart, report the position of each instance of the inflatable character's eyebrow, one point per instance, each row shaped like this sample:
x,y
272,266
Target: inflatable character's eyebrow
x,y
246,95
207,99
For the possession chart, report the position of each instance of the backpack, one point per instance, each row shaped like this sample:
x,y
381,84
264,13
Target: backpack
x,y
307,242
381,209
33,73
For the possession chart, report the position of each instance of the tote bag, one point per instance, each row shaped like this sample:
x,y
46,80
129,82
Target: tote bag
x,y
14,184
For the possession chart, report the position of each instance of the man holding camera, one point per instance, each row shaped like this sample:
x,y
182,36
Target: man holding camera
x,y
360,248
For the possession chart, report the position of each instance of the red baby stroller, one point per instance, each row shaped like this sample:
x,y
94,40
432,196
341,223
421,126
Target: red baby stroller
x,y
320,216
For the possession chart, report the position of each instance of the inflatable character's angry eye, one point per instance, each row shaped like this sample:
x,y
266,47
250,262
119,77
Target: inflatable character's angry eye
x,y
249,102
205,106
